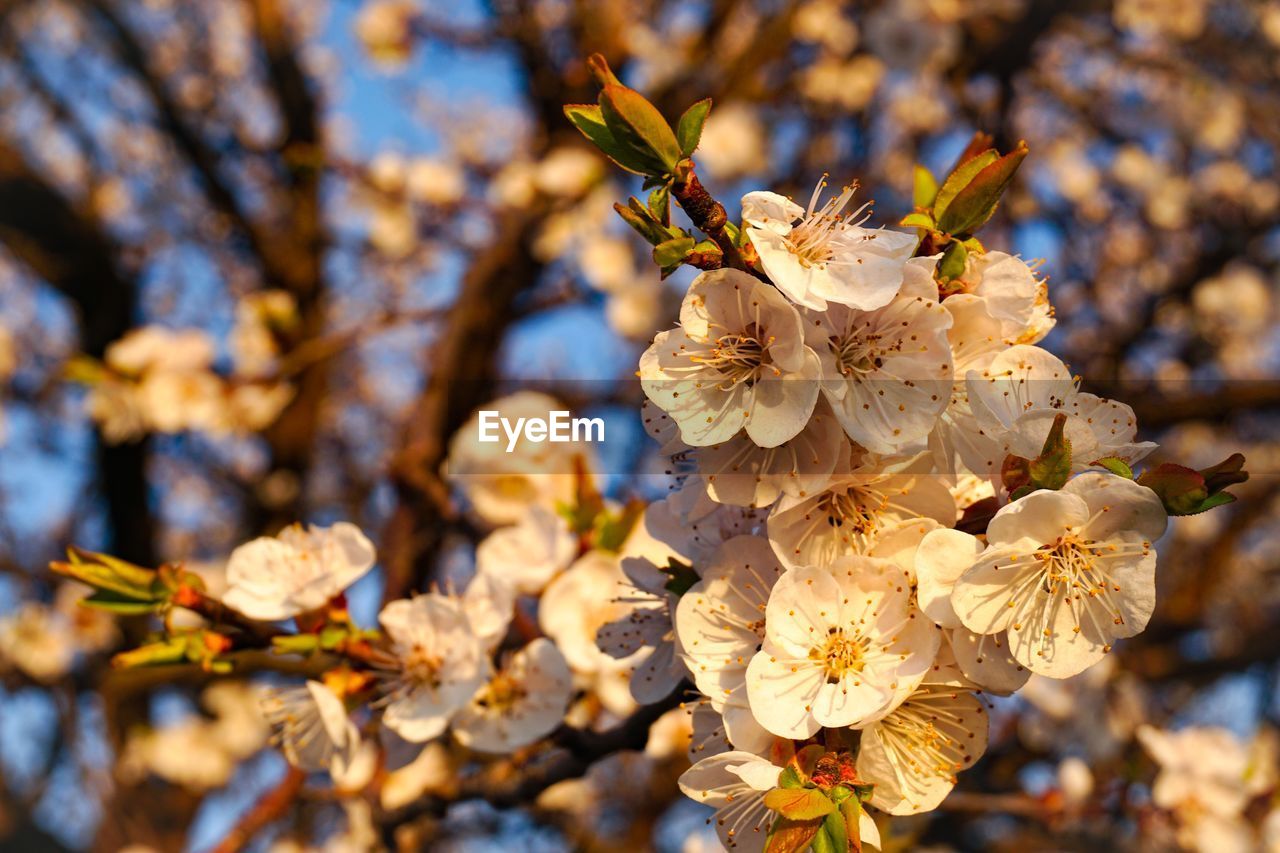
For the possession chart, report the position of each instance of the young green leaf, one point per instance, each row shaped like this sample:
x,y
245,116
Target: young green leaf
x,y
799,803
791,836
976,202
689,128
1115,465
588,119
1052,468
637,124
925,188
953,261
959,179
917,220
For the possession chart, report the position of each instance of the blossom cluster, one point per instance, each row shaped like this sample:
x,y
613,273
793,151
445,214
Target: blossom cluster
x,y
156,379
836,413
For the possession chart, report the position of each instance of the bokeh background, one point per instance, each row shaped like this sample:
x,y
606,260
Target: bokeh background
x,y
399,177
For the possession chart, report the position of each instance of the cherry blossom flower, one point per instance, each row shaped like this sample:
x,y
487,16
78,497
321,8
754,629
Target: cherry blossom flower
x,y
721,622
521,703
887,372
300,569
817,255
500,486
530,553
738,360
847,516
37,640
734,784
842,646
1207,777
1011,294
1016,398
912,755
942,557
311,726
442,663
740,472
646,626
573,609
157,348
1066,573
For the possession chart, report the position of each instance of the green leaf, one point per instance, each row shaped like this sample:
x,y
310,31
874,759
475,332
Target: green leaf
x,y
835,832
588,119
953,261
925,188
295,644
960,178
671,253
599,68
104,572
153,654
104,599
636,124
613,528
1220,499
977,201
799,803
660,204
918,220
790,778
1052,468
851,811
689,128
1115,465
791,836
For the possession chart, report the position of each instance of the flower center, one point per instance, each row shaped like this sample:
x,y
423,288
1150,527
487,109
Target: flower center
x,y
739,356
501,694
842,653
855,510
812,238
856,354
422,667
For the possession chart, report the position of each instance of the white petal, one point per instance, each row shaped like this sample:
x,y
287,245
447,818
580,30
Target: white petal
x,y
943,556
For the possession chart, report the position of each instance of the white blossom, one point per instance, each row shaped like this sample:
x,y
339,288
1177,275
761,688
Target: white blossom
x,y
311,726
738,360
913,754
521,703
530,553
847,516
573,609
500,486
821,254
299,570
740,472
442,664
1065,573
843,645
887,372
721,623
1016,398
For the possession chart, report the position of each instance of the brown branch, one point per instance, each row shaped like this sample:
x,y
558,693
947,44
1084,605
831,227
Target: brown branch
x,y
188,141
269,808
577,751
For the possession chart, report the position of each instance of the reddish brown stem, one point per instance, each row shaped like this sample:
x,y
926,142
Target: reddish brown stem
x,y
270,808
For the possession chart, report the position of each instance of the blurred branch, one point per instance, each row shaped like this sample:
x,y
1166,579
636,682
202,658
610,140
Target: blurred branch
x,y
578,751
269,808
